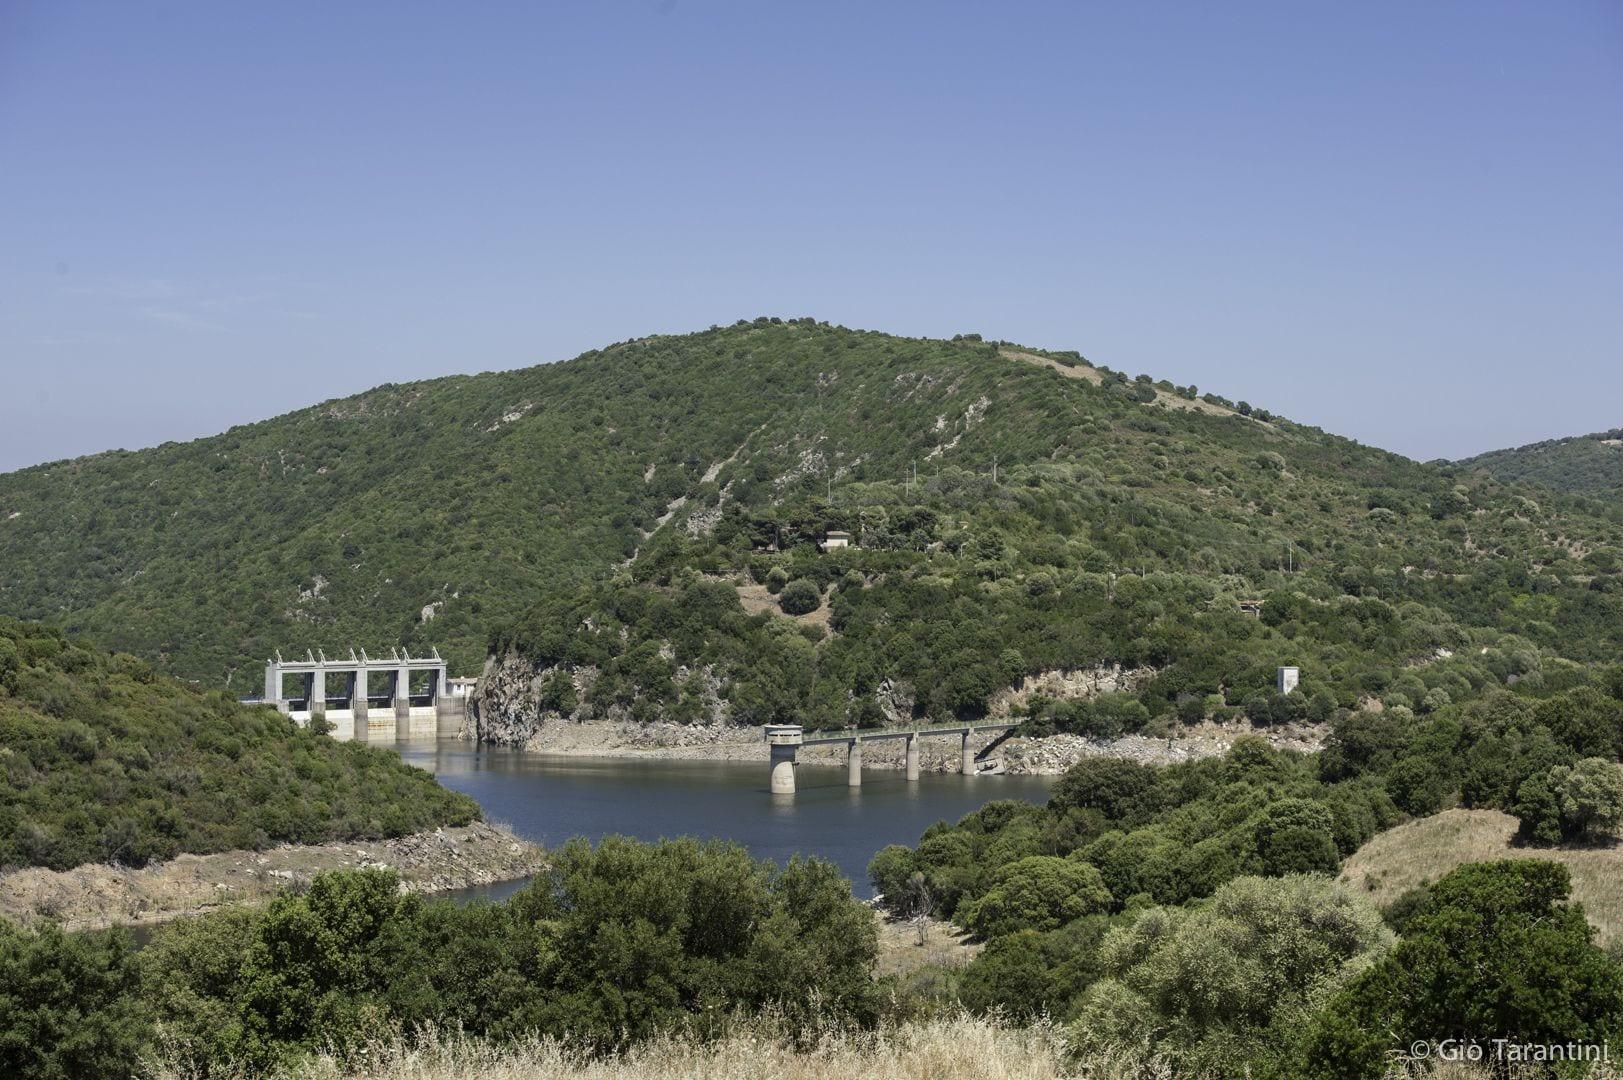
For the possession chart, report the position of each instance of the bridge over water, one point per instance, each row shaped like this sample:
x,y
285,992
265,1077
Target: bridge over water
x,y
786,740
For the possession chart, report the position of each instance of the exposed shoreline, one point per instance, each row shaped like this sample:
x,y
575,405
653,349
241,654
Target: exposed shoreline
x,y
97,895
1048,756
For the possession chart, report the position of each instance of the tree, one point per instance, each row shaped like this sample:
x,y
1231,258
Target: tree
x,y
1295,836
800,597
1224,988
68,1004
1586,720
1583,801
1125,792
1040,892
1495,951
1026,974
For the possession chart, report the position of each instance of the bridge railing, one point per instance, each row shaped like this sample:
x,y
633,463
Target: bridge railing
x,y
847,734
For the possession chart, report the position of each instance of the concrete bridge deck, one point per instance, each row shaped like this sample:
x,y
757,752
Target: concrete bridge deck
x,y
785,740
845,735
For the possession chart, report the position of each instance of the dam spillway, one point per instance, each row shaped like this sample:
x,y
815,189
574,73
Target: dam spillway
x,y
399,696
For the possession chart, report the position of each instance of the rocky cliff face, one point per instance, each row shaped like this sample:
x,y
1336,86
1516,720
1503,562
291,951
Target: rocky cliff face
x,y
516,701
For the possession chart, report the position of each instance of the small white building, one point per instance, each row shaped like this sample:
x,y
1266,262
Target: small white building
x,y
835,538
1288,678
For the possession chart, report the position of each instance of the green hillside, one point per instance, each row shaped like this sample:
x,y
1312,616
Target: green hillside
x,y
1587,464
104,760
1015,511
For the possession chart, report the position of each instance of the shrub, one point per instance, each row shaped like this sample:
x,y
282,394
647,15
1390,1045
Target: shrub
x,y
800,597
1225,988
1583,801
1494,952
68,1006
1040,892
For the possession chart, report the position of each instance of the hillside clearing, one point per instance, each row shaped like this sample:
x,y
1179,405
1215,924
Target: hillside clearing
x,y
1423,851
1093,375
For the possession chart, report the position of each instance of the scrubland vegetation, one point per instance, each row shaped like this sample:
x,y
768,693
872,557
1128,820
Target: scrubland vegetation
x,y
1181,921
102,759
1591,464
597,521
1009,520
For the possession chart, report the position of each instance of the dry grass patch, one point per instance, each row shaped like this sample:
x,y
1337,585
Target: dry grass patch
x,y
1093,375
951,1049
1423,851
755,599
901,953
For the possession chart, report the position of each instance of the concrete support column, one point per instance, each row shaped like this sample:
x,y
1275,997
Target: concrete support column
x,y
273,684
357,708
966,756
359,701
402,704
853,763
783,770
784,740
318,693
913,757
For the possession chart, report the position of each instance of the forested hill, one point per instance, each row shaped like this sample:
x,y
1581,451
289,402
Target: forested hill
x,y
1589,464
1002,497
103,759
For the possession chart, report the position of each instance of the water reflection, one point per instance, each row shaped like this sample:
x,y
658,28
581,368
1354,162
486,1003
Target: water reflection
x,y
550,798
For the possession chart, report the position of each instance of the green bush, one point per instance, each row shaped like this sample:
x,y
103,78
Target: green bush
x,y
68,1005
614,945
800,597
1495,952
1040,893
1224,988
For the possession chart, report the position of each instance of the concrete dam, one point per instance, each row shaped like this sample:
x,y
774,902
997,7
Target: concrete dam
x,y
399,696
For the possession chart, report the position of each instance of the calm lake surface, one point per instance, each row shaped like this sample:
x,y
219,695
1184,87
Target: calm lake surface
x,y
549,798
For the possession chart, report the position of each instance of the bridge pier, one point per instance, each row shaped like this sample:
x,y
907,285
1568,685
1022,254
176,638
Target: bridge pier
x,y
966,756
913,756
358,696
402,704
317,704
853,763
784,740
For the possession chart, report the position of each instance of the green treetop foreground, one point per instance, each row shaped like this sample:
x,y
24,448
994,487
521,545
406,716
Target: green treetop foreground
x,y
612,946
104,760
1012,511
1188,911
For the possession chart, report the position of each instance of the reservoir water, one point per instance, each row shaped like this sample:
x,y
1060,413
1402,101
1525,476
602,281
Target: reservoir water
x,y
549,798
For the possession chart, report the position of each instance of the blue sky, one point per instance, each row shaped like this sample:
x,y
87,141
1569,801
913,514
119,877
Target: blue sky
x,y
1401,222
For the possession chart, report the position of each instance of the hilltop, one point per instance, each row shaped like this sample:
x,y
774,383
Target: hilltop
x,y
1586,464
633,534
